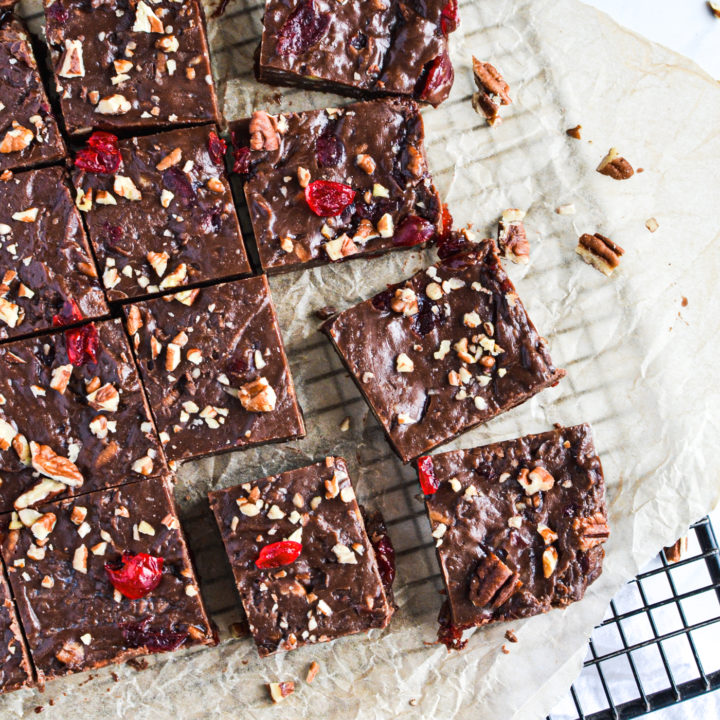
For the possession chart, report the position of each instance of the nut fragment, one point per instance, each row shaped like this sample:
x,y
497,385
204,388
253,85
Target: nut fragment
x,y
405,302
104,398
71,654
134,320
71,64
675,552
61,377
714,8
652,224
404,363
366,163
492,91
16,139
493,582
549,561
172,158
574,132
47,462
536,480
614,166
113,105
591,531
146,20
600,252
263,132
312,672
257,396
280,690
512,239
125,187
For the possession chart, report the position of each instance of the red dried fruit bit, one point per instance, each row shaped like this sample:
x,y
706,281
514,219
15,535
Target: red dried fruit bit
x,y
216,147
413,230
426,472
135,575
69,314
82,345
327,199
385,556
57,13
138,634
179,184
280,553
303,29
447,222
241,160
449,17
438,80
101,156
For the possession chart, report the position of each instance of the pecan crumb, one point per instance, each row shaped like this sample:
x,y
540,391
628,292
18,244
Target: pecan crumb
x,y
575,132
675,552
492,91
511,636
313,670
600,252
652,224
714,8
615,166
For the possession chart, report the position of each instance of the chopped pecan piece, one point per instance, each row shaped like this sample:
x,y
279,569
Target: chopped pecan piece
x,y
600,252
405,301
591,531
616,167
16,139
263,132
512,239
492,91
574,132
493,582
257,396
71,654
674,553
280,690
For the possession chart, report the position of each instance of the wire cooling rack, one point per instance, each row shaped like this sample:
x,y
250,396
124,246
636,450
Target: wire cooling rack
x,y
658,644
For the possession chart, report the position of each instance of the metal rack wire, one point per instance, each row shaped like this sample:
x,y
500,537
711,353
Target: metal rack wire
x,y
657,645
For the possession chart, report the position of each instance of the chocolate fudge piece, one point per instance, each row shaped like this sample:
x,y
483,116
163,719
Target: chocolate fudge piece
x,y
447,350
130,64
519,525
47,274
163,217
73,416
338,183
102,578
15,669
214,368
29,135
358,48
304,567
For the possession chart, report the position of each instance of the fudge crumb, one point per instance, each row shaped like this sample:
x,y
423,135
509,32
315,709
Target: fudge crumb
x,y
324,313
312,672
714,8
652,224
512,238
600,252
345,425
674,553
511,636
280,690
506,650
492,91
575,132
138,664
615,166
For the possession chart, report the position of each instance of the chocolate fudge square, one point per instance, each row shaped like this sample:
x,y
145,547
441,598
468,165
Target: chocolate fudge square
x,y
364,49
103,578
214,368
47,273
29,135
443,352
519,525
127,65
15,668
304,567
163,217
73,416
329,185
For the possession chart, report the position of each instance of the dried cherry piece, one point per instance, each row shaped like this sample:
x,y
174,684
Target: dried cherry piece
x,y
424,320
327,198
216,147
448,634
383,547
447,221
449,17
69,314
329,149
178,183
303,29
135,575
426,472
285,552
57,13
138,634
241,160
102,154
413,230
82,345
436,80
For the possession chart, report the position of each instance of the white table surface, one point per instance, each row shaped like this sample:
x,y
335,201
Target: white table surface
x,y
687,27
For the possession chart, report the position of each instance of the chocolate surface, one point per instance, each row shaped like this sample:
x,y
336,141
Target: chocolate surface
x,y
125,65
376,148
73,617
215,370
29,135
450,348
359,48
333,588
47,262
168,226
513,542
15,671
92,432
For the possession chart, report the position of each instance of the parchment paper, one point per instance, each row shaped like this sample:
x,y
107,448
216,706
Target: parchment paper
x,y
641,368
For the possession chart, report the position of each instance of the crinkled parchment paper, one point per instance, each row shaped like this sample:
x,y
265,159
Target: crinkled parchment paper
x,y
641,368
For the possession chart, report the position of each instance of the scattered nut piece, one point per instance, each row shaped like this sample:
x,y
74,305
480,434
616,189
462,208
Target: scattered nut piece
x,y
257,396
575,132
568,209
404,363
600,252
492,91
16,139
549,561
71,64
512,239
263,132
405,301
614,166
652,224
280,690
312,672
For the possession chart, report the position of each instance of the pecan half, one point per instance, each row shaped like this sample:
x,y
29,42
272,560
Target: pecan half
x,y
591,531
614,166
263,132
492,91
47,462
600,252
512,239
493,582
